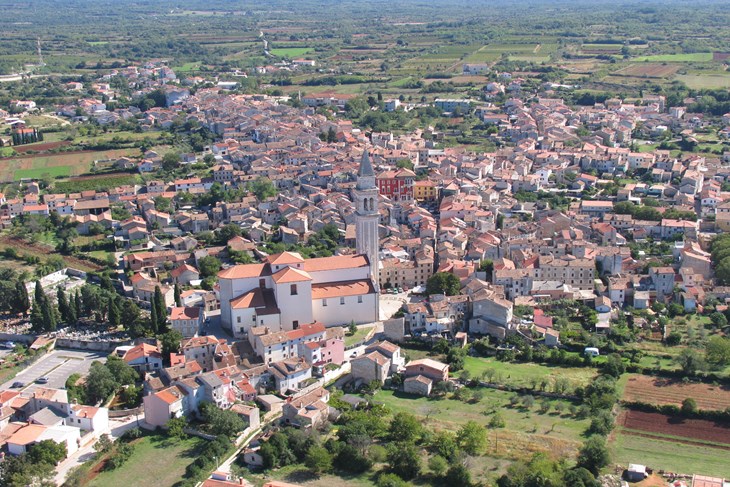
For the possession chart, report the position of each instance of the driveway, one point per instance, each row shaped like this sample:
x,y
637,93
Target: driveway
x,y
57,366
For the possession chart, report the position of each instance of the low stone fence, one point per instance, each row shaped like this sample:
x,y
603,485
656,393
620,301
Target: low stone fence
x,y
100,346
14,337
121,413
199,434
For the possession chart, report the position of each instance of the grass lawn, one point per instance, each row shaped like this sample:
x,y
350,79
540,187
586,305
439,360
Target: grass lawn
x,y
668,455
521,374
357,337
158,458
300,475
291,52
7,151
58,171
526,431
699,81
699,57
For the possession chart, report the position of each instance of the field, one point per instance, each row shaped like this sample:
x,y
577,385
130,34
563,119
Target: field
x,y
64,164
669,455
707,81
698,57
526,431
648,70
42,251
695,430
155,457
661,391
101,182
522,375
291,52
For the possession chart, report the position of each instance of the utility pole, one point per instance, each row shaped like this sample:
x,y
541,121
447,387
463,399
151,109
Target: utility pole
x,y
40,55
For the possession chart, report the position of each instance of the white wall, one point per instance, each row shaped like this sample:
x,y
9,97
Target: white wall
x,y
336,314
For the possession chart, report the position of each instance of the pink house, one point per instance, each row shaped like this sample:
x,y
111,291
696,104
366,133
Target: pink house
x,y
329,350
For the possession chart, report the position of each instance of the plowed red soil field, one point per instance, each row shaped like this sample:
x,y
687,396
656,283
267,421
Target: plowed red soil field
x,y
660,391
693,429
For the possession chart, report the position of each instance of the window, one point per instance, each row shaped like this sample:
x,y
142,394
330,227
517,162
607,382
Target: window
x,y
238,319
293,290
359,299
262,283
342,300
295,324
324,302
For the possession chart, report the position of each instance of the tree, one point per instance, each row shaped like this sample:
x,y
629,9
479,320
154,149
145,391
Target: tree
x,y
121,371
129,313
170,344
405,427
114,315
602,423
318,460
472,438
438,465
458,476
221,422
580,477
209,266
153,316
262,188
227,232
717,351
690,361
176,427
444,443
718,320
62,302
689,406
47,451
104,444
178,299
100,383
497,421
443,283
404,460
614,366
160,309
171,161
21,302
390,480
593,455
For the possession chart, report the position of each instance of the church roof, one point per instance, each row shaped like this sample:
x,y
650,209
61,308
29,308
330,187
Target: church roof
x,y
285,258
366,168
290,274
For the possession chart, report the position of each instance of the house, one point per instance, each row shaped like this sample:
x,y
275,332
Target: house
x,y
144,357
250,414
418,385
29,434
372,366
289,374
184,274
308,409
160,407
188,321
432,369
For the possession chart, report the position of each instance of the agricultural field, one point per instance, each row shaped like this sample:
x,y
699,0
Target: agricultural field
x,y
692,430
291,52
523,374
705,80
648,70
527,430
697,57
55,165
661,391
668,454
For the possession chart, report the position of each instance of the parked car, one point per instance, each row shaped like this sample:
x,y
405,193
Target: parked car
x,y
42,380
17,384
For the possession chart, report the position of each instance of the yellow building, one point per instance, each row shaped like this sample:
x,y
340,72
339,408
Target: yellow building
x,y
425,190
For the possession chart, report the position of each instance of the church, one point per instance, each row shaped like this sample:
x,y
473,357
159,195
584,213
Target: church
x,y
286,291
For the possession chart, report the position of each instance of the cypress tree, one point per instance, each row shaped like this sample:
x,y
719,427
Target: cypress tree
x,y
72,317
22,301
63,306
153,315
77,304
161,310
178,299
114,315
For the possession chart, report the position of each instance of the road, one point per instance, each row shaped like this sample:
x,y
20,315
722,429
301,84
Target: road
x,y
57,366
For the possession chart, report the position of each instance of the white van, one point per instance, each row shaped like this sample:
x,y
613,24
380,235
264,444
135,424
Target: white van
x,y
592,351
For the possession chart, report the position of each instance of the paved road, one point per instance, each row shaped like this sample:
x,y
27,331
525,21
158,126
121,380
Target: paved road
x,y
57,366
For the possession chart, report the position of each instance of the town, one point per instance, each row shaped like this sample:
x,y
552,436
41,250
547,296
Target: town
x,y
217,281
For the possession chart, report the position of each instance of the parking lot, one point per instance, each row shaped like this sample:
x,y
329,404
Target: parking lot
x,y
57,366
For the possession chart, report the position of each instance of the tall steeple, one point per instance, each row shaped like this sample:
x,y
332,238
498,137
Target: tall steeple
x,y
367,216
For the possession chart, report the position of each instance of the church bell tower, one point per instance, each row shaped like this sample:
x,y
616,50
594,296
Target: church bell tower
x,y
367,217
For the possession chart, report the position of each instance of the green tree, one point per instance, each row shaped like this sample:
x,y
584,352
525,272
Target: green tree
x,y
689,406
390,480
170,344
220,421
21,301
114,315
47,451
614,366
123,373
129,314
62,302
690,361
405,427
593,455
100,383
443,283
717,351
602,423
580,477
458,475
472,438
171,161
318,460
178,299
209,266
176,427
160,309
262,188
404,460
438,465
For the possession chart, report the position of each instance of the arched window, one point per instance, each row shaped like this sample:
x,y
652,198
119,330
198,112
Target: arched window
x,y
365,204
371,204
